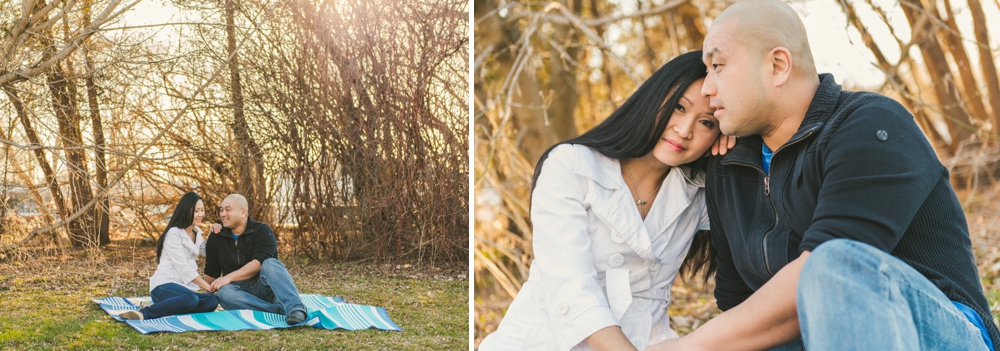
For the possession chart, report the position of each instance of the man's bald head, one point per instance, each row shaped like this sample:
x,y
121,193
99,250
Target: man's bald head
x,y
238,200
234,212
762,25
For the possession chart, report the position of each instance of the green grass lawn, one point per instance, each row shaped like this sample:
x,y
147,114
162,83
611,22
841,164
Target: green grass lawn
x,y
45,304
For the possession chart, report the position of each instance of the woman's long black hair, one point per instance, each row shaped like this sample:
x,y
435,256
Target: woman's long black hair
x,y
182,218
634,129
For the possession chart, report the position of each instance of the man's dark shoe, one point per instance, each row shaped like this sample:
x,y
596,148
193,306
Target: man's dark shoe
x,y
296,317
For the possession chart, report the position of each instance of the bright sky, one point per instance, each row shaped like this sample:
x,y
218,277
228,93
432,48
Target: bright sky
x,y
151,12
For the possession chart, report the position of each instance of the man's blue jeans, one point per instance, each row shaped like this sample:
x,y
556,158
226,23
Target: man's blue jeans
x,y
852,296
172,298
270,291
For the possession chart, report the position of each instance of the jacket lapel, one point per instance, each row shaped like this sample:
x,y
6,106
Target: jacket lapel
x,y
617,210
189,246
619,213
676,194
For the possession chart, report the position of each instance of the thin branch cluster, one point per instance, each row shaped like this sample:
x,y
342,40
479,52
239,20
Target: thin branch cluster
x,y
344,123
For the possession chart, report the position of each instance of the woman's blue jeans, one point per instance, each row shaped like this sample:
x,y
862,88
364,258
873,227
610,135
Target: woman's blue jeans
x,y
852,296
172,298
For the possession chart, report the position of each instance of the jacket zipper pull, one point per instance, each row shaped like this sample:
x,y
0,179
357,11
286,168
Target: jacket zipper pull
x,y
767,185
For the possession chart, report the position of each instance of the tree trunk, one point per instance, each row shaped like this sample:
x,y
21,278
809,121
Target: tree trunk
x,y
970,91
68,114
694,26
101,209
606,67
958,122
43,163
562,106
251,168
3,192
990,77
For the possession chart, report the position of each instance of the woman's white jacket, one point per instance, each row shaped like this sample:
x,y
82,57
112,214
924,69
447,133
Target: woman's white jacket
x,y
178,260
597,263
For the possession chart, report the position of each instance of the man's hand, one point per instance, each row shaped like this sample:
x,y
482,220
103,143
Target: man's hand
x,y
216,227
219,283
722,145
767,319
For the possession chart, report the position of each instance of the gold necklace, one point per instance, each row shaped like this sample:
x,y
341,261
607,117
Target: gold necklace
x,y
640,202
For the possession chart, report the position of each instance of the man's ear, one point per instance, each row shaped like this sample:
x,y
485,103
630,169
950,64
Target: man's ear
x,y
781,65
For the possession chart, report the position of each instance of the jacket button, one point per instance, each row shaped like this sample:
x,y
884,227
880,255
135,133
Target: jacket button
x,y
881,135
654,266
616,260
617,238
640,304
639,344
561,308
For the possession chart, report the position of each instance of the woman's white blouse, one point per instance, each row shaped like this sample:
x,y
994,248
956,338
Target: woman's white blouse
x,y
597,263
178,260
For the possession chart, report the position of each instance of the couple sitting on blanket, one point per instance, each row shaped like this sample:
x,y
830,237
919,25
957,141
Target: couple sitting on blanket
x,y
241,267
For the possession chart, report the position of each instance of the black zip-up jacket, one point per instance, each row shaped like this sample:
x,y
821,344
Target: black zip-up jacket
x,y
225,253
859,168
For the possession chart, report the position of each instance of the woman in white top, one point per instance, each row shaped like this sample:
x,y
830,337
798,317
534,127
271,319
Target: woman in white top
x,y
615,211
174,286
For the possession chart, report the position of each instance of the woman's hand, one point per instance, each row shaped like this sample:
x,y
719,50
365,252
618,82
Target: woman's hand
x,y
203,284
722,145
216,227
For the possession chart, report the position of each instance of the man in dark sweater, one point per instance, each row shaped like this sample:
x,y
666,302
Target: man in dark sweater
x,y
835,224
241,264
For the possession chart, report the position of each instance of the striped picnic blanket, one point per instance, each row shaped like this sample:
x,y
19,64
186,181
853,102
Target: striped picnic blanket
x,y
324,312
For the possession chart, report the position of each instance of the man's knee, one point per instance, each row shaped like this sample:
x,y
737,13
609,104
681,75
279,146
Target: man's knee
x,y
838,260
229,297
272,264
836,250
227,292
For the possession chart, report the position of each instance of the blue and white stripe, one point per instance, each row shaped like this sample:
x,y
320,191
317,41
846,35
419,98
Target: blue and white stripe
x,y
324,312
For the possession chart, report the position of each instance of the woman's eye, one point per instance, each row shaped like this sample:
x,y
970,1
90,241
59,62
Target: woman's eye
x,y
680,108
708,123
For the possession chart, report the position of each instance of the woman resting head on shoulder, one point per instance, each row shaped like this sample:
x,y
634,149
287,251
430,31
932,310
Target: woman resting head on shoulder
x,y
615,212
174,285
